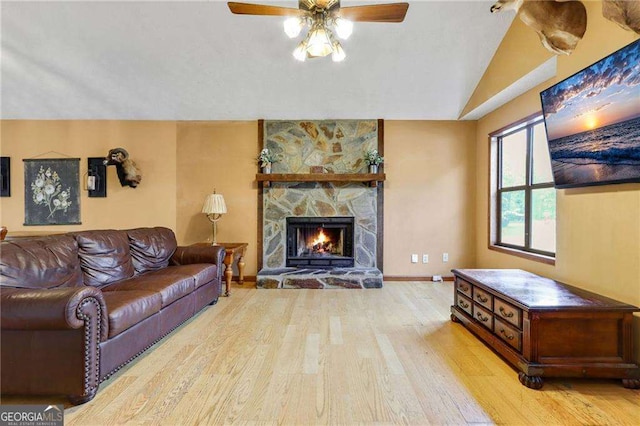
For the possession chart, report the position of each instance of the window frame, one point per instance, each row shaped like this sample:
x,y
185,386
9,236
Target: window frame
x,y
496,190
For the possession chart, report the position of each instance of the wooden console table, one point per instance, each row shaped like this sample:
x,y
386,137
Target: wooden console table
x,y
545,328
233,252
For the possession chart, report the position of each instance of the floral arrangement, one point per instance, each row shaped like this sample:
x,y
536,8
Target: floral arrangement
x,y
47,190
265,158
373,158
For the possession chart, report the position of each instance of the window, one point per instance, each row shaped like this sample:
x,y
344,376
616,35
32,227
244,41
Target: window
x,y
523,196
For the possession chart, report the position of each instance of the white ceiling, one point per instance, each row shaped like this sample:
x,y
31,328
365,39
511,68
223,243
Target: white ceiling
x,y
187,60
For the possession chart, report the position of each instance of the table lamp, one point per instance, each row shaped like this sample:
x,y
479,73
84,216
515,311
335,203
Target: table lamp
x,y
214,207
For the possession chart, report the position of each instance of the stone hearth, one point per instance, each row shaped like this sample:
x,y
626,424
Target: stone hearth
x,y
320,278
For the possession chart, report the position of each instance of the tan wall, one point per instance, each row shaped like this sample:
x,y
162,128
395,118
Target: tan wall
x,y
508,64
150,144
218,155
429,196
598,228
429,168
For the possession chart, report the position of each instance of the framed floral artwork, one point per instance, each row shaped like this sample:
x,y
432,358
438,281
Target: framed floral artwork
x,y
52,191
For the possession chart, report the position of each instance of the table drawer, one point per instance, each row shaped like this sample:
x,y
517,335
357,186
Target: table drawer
x,y
507,312
464,287
507,333
465,304
483,316
482,297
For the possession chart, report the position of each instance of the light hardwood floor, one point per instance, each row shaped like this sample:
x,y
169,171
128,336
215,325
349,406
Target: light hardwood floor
x,y
388,356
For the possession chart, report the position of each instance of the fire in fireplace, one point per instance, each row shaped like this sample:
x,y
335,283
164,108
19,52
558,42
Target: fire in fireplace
x,y
320,241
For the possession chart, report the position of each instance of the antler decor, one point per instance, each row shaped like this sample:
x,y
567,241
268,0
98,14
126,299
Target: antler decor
x,y
623,12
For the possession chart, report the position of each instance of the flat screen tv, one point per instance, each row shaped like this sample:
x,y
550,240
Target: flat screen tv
x,y
593,122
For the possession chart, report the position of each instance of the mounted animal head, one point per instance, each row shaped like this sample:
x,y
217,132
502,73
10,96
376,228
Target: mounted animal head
x,y
623,12
560,25
128,172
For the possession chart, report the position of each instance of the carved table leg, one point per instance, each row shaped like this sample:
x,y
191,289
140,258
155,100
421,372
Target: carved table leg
x,y
228,272
241,268
631,383
533,382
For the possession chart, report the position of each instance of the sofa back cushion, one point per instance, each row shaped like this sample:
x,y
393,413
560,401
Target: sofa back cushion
x,y
46,262
104,256
151,248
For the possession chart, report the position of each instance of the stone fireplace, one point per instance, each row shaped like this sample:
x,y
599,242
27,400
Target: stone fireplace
x,y
292,213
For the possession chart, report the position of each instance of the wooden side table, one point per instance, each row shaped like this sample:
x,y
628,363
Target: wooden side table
x,y
233,252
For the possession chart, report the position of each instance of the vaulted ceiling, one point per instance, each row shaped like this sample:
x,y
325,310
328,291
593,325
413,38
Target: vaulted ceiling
x,y
187,60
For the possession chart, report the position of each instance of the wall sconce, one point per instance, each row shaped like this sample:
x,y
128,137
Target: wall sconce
x,y
5,177
96,177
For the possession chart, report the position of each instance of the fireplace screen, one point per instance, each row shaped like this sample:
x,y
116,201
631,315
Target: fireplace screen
x,y
320,241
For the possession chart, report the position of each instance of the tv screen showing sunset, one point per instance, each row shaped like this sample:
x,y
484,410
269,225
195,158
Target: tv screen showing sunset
x,y
593,122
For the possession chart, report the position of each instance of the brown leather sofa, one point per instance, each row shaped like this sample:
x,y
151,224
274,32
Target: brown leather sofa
x,y
75,308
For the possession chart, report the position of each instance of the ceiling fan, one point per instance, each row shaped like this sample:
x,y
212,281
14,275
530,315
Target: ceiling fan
x,y
323,18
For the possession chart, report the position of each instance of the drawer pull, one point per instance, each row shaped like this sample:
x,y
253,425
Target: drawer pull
x,y
505,313
463,287
461,303
481,318
504,333
482,299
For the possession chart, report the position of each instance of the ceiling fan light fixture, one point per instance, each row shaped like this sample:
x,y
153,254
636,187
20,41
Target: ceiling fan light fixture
x,y
325,22
338,54
293,26
343,28
319,42
300,52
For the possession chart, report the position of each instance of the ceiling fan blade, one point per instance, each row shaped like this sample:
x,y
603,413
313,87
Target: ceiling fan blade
x,y
261,9
392,12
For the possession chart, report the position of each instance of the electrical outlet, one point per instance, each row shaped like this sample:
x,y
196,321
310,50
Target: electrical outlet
x,y
425,258
445,257
414,258
437,278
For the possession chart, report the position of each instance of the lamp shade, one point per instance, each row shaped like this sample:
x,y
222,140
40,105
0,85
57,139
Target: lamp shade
x,y
300,52
214,204
319,43
293,26
338,54
343,28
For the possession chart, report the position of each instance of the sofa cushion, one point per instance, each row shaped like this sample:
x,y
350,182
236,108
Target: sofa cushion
x,y
46,262
170,287
203,273
104,256
128,308
151,248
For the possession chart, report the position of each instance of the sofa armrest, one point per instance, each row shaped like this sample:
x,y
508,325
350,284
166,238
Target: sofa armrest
x,y
51,341
53,309
187,255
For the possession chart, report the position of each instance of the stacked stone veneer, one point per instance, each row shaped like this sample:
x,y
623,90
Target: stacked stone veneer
x,y
338,146
359,278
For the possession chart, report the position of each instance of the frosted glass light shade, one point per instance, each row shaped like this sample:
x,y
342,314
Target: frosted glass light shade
x,y
319,43
214,204
343,28
338,54
293,26
300,52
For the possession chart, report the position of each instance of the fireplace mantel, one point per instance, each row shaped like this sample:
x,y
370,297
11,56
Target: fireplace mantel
x,y
371,178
